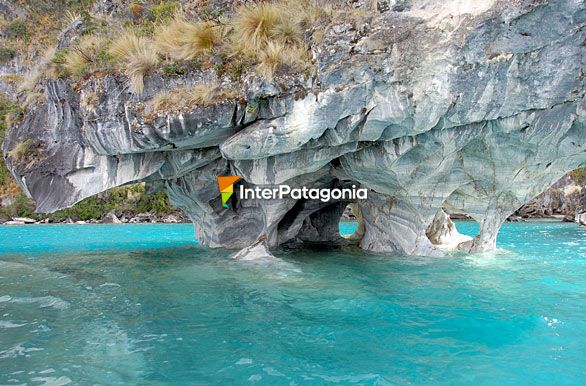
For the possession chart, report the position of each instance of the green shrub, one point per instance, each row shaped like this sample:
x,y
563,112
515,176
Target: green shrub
x,y
6,55
579,176
164,11
145,29
24,206
4,173
211,14
75,5
90,208
157,204
174,69
131,200
16,29
7,106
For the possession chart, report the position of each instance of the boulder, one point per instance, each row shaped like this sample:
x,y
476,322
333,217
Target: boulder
x,y
169,219
143,218
580,218
111,218
24,220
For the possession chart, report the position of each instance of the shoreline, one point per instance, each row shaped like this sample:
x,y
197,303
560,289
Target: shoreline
x,y
28,222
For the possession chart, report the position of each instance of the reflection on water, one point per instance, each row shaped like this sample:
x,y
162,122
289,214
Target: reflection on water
x,y
145,304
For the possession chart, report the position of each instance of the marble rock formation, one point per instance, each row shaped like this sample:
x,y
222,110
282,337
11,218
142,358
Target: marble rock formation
x,y
474,106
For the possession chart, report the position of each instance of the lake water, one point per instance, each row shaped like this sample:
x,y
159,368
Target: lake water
x,y
144,304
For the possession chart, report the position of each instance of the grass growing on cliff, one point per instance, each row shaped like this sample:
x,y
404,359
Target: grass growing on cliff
x,y
199,95
254,25
87,55
271,34
20,150
7,110
263,38
6,55
277,56
164,10
183,40
268,36
16,29
44,69
136,56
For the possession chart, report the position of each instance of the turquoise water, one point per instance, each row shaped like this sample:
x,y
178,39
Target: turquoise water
x,y
144,304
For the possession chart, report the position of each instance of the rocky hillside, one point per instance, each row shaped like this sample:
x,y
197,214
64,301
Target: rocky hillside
x,y
564,198
477,107
27,29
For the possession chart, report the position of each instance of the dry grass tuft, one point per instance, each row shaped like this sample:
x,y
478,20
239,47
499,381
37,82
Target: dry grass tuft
x,y
72,17
83,56
32,99
288,30
271,34
277,56
45,69
270,58
198,95
254,24
20,150
183,40
137,55
308,12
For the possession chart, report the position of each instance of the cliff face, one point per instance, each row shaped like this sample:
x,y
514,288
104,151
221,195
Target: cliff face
x,y
476,108
564,198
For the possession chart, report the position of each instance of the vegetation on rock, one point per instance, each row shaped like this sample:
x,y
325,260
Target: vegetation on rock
x,y
21,149
136,56
261,38
211,51
183,40
201,94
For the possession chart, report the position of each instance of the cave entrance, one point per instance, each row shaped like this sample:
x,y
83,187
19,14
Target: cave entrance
x,y
323,224
351,225
314,222
465,224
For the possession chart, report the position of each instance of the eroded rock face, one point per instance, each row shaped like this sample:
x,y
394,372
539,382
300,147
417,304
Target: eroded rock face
x,y
477,109
563,198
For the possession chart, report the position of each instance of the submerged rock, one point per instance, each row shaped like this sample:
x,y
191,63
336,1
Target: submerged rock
x,y
477,109
257,251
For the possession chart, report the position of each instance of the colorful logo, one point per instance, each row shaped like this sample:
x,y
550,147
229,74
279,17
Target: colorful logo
x,y
226,185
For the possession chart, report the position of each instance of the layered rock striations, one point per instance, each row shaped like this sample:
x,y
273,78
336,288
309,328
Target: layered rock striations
x,y
476,108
